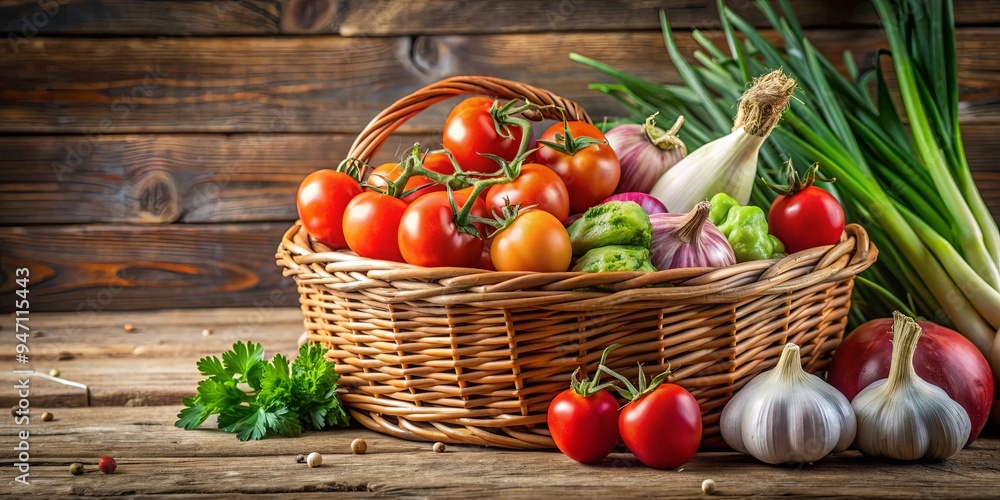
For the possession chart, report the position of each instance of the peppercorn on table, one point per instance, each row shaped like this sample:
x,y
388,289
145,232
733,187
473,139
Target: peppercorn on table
x,y
119,389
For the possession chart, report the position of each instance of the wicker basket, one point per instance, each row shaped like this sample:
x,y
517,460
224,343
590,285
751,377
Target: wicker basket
x,y
471,356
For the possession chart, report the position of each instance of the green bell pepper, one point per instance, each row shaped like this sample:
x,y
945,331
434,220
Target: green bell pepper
x,y
746,229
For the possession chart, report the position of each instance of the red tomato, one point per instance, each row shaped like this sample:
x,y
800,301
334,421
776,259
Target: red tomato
x,y
470,130
537,185
584,428
663,428
809,218
943,357
435,162
485,260
371,225
321,201
429,237
591,174
535,241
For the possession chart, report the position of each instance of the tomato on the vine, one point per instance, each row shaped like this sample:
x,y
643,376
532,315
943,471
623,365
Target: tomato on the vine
x,y
470,130
428,235
466,191
663,428
534,241
371,225
661,423
435,162
583,159
804,216
321,201
537,185
583,419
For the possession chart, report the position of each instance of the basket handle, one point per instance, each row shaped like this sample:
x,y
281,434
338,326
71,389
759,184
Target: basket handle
x,y
379,129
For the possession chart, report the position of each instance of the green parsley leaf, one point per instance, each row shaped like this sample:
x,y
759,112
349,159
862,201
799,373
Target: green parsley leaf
x,y
276,384
244,362
193,415
314,389
215,394
212,367
256,422
284,399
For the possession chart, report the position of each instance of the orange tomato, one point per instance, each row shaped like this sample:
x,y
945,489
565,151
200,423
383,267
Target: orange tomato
x,y
535,241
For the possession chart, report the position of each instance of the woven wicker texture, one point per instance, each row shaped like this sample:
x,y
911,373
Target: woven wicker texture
x,y
471,356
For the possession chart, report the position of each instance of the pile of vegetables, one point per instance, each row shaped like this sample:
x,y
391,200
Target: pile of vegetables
x,y
909,186
627,201
877,398
633,199
490,199
886,395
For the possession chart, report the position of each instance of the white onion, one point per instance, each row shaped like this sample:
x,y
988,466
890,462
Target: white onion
x,y
728,164
645,153
688,240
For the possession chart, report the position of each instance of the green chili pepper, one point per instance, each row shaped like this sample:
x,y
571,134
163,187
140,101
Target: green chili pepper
x,y
746,229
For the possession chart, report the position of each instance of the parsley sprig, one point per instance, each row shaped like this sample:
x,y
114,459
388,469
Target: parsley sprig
x,y
256,398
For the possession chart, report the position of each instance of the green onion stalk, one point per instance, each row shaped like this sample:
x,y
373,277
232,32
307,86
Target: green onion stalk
x,y
910,187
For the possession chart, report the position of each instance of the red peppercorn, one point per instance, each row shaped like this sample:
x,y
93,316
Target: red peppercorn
x,y
107,465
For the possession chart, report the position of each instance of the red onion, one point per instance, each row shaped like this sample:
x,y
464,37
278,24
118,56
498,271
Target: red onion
x,y
645,153
689,240
648,203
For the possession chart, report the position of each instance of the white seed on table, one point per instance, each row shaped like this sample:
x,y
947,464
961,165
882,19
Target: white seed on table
x,y
708,486
314,459
54,372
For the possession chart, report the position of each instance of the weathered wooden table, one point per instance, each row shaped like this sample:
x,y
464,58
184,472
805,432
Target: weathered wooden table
x,y
134,383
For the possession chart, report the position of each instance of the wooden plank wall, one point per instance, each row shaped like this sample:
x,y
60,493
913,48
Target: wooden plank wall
x,y
150,150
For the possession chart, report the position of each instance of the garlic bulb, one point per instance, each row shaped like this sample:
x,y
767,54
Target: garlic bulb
x,y
688,240
903,416
786,415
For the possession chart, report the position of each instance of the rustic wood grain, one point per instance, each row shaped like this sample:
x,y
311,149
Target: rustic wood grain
x,y
98,268
332,84
152,365
395,17
156,458
391,17
170,333
223,178
155,179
